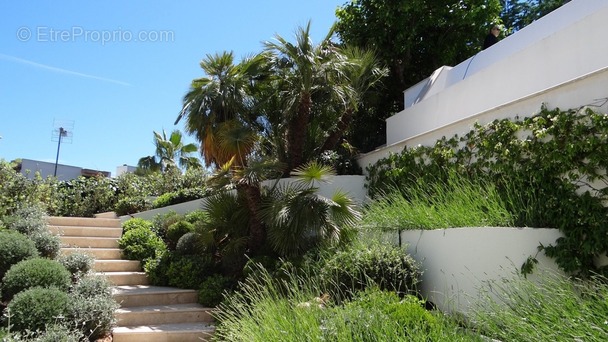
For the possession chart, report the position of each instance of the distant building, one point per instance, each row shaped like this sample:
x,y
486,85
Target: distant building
x,y
125,169
29,167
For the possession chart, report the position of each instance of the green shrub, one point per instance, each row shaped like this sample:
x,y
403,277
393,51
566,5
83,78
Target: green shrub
x,y
77,263
131,205
189,244
53,333
37,307
32,273
188,272
180,196
48,244
29,220
84,197
388,267
14,247
197,217
140,244
156,269
163,221
91,308
212,289
136,222
176,231
92,285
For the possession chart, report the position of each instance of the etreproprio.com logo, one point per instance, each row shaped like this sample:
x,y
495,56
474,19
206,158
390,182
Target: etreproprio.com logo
x,y
80,34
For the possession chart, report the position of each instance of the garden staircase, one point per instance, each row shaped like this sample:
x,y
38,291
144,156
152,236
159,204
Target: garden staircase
x,y
147,313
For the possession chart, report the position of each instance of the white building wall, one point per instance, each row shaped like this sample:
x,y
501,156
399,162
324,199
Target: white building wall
x,y
559,60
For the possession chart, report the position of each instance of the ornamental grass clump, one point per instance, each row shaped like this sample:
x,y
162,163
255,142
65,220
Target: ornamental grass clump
x,y
551,308
455,202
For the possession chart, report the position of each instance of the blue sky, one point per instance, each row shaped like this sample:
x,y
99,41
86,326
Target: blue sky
x,y
117,70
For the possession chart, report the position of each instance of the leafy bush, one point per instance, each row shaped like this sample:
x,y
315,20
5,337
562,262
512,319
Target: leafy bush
x,y
212,288
29,220
180,196
136,223
84,197
140,244
35,272
17,191
131,205
157,268
92,306
388,267
77,263
37,307
48,244
176,231
14,247
188,244
197,217
53,333
162,222
188,272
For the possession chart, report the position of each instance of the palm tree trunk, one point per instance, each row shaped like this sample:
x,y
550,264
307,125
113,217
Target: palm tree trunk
x,y
257,230
334,136
296,137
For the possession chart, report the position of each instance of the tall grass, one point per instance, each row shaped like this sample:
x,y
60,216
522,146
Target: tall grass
x,y
456,202
550,308
299,308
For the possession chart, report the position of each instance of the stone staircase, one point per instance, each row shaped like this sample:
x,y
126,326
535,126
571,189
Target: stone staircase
x,y
147,313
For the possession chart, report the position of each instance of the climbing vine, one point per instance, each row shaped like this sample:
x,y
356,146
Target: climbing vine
x,y
550,168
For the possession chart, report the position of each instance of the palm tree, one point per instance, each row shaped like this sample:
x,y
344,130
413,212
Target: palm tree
x,y
217,99
170,153
361,72
303,69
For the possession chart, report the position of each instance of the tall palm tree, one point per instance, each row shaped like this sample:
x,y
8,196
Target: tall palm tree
x,y
219,98
303,69
170,152
361,72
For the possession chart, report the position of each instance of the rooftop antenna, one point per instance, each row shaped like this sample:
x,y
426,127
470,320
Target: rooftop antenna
x,y
62,131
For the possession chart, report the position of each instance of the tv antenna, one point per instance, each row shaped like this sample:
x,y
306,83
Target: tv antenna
x,y
63,130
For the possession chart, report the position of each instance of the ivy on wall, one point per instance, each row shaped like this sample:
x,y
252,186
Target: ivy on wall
x,y
550,169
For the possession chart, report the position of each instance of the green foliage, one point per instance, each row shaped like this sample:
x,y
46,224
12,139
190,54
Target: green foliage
x,y
412,38
212,288
92,306
456,202
47,243
14,247
162,222
136,222
359,266
188,271
131,205
157,268
196,217
140,243
34,272
550,307
28,220
36,307
176,231
84,197
77,263
18,191
180,196
188,244
549,169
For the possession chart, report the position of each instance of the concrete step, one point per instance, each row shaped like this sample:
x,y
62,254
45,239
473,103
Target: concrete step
x,y
97,253
163,314
86,231
144,295
126,278
88,241
84,222
108,214
184,332
117,266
